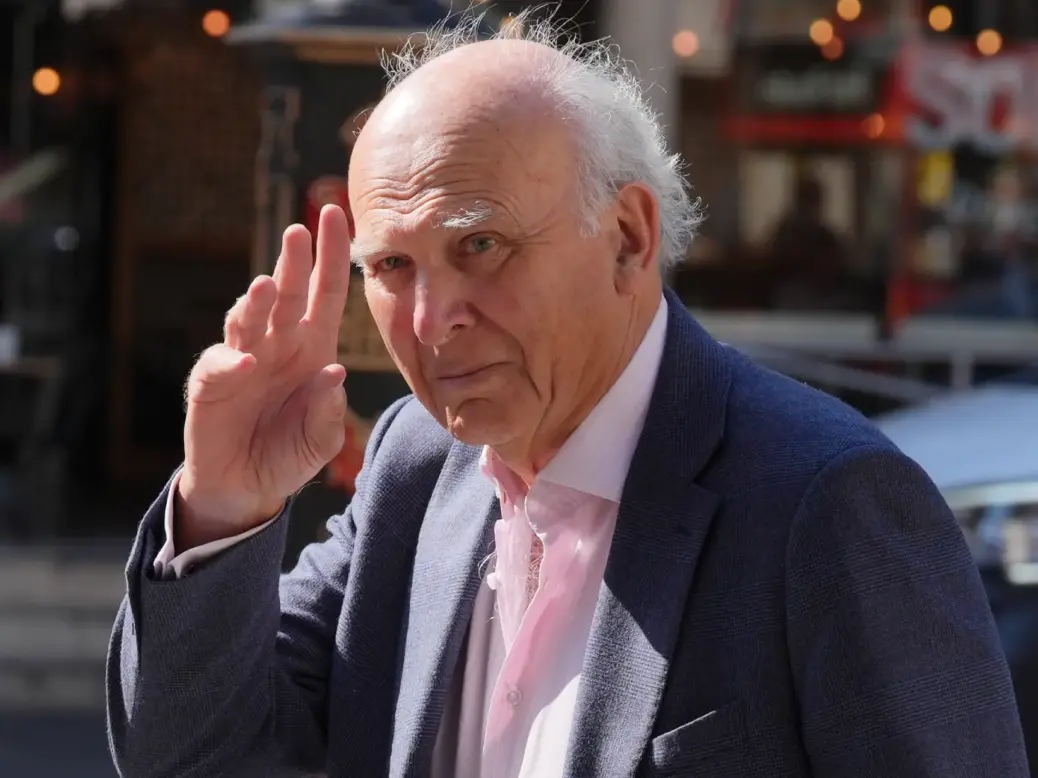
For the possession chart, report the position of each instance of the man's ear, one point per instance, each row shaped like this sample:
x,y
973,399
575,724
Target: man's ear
x,y
638,220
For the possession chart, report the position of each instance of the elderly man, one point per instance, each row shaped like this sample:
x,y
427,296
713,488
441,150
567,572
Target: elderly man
x,y
594,543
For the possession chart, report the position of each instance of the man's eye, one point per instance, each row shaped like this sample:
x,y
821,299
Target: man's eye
x,y
480,244
392,263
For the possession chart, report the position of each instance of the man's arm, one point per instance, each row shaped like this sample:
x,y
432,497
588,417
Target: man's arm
x,y
897,663
224,671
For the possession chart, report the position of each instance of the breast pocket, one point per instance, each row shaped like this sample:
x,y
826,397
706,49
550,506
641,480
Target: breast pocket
x,y
711,746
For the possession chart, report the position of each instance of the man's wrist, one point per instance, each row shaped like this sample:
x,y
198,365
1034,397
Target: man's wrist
x,y
197,522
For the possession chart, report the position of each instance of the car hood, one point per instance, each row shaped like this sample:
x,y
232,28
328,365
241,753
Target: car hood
x,y
984,436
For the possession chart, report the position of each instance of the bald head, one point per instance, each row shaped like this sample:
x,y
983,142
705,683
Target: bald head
x,y
483,102
492,72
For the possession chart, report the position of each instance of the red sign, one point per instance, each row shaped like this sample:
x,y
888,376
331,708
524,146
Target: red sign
x,y
950,94
326,190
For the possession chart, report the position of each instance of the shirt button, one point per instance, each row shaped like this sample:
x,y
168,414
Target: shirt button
x,y
514,697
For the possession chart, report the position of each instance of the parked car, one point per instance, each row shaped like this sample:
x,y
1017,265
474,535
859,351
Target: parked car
x,y
981,449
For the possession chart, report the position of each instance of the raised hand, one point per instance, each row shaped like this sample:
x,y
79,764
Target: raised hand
x,y
265,408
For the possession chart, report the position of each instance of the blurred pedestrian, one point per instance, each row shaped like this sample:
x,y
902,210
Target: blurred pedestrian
x,y
808,260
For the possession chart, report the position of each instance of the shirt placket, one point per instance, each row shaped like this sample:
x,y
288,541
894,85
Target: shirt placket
x,y
511,592
521,658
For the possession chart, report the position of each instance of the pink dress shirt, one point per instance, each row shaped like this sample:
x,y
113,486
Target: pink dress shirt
x,y
514,698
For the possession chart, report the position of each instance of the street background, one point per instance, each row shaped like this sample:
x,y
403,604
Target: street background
x,y
869,169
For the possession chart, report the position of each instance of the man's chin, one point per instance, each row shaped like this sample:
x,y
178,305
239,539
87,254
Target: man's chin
x,y
479,422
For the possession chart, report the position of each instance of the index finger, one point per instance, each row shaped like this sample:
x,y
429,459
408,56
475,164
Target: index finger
x,y
330,282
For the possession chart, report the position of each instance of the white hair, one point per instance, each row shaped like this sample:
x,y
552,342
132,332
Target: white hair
x,y
620,138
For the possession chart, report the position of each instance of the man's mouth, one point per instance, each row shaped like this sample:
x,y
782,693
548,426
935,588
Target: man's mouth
x,y
463,374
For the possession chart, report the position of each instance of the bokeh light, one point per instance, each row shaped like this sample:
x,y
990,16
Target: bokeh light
x,y
833,49
686,43
216,23
46,81
940,18
874,125
989,42
821,31
848,10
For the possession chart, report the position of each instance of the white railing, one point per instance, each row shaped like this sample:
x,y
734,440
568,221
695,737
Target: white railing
x,y
816,344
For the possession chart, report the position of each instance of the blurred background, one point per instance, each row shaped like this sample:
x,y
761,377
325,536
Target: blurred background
x,y
870,169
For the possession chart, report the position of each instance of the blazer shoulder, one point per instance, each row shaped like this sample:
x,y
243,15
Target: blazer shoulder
x,y
779,431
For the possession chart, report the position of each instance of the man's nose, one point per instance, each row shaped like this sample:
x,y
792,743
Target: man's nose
x,y
442,307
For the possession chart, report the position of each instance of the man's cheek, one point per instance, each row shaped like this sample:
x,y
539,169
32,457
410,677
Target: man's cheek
x,y
398,332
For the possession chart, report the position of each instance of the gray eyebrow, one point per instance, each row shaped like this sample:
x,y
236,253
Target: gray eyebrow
x,y
467,218
359,254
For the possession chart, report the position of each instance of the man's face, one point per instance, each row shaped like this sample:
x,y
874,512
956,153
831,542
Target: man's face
x,y
490,299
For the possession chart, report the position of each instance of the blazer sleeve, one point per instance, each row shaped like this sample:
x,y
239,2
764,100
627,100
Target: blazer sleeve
x,y
895,656
225,671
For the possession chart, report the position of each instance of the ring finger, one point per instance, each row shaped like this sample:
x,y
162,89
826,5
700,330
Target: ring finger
x,y
292,276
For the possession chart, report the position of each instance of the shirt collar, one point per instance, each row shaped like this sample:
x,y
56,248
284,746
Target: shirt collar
x,y
596,457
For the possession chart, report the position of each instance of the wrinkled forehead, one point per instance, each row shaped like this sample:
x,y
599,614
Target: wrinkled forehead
x,y
458,174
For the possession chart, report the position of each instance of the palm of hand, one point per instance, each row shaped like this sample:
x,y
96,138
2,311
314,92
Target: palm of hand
x,y
265,408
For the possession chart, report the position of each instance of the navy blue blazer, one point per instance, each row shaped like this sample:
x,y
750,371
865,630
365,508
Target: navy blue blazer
x,y
786,595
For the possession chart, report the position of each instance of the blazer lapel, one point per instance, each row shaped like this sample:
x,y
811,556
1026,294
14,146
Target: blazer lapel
x,y
662,524
454,540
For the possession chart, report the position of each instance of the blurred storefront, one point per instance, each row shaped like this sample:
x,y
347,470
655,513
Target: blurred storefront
x,y
867,165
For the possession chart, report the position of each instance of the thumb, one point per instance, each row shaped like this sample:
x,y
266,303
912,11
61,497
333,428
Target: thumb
x,y
325,423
